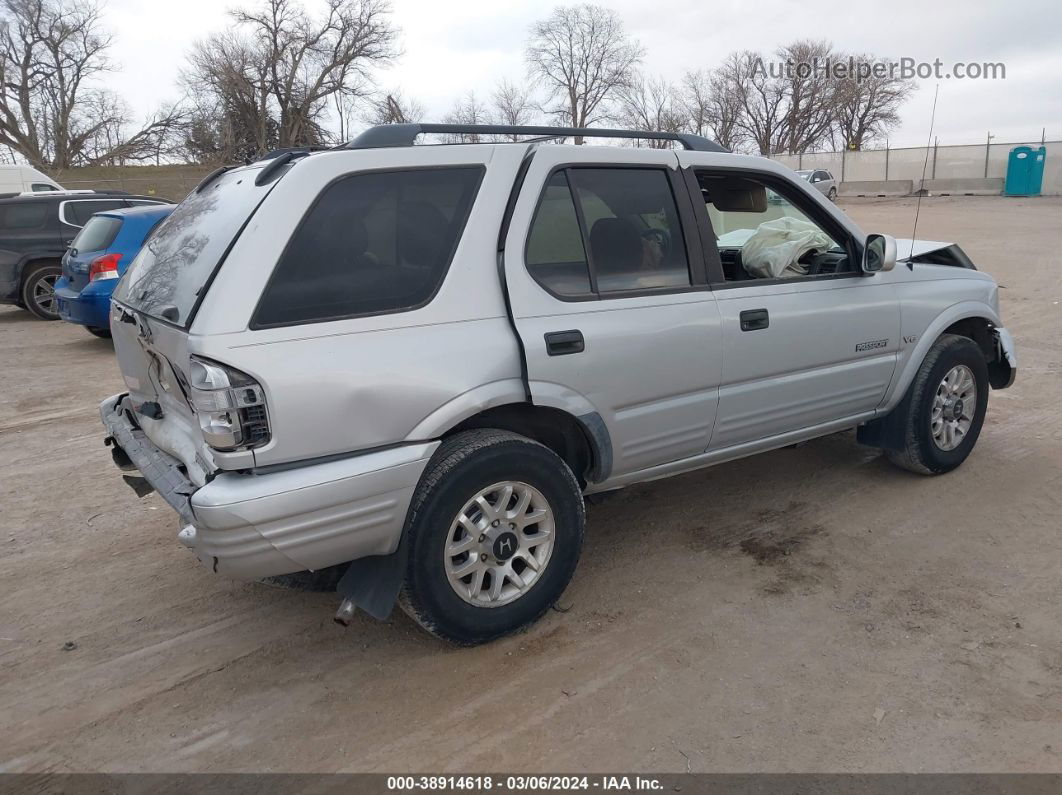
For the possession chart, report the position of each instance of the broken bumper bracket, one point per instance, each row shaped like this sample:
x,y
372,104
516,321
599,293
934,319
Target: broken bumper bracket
x,y
161,472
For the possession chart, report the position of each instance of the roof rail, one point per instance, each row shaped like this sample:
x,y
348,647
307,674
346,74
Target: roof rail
x,y
385,135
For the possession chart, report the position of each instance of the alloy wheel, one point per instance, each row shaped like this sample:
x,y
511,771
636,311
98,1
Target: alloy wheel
x,y
499,544
954,406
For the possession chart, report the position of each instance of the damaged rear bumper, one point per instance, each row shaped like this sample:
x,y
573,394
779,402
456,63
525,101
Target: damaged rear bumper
x,y
250,526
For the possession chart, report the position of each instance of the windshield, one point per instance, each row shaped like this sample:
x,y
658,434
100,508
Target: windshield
x,y
804,174
179,259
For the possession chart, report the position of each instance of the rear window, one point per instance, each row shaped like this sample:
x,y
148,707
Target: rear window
x,y
372,243
27,215
97,234
179,259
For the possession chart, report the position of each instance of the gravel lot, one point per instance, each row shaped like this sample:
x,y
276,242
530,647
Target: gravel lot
x,y
810,609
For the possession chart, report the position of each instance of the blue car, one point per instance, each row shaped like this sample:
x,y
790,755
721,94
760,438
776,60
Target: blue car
x,y
100,254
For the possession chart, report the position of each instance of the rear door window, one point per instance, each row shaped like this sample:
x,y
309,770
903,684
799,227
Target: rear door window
x,y
626,219
77,213
372,243
24,215
97,234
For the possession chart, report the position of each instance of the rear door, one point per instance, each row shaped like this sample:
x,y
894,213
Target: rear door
x,y
608,291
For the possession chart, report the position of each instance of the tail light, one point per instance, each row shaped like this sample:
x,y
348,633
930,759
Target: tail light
x,y
230,405
105,267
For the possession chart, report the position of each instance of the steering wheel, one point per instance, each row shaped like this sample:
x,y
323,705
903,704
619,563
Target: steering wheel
x,y
662,238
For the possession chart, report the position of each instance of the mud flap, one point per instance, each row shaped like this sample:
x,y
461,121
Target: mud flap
x,y
373,583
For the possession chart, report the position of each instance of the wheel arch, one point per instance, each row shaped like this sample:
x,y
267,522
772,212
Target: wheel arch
x,y
967,316
30,261
581,442
974,321
983,332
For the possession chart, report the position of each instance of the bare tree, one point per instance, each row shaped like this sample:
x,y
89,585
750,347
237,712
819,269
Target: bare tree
x,y
468,110
307,60
394,108
867,103
269,81
582,57
786,105
233,118
713,107
811,94
512,104
51,110
651,104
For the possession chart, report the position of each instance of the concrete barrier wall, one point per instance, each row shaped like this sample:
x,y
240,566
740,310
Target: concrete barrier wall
x,y
964,186
892,187
967,162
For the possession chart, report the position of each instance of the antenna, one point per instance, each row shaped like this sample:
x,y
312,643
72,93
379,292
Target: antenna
x,y
922,184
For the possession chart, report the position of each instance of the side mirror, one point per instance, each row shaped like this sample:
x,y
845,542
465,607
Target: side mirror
x,y
879,253
816,178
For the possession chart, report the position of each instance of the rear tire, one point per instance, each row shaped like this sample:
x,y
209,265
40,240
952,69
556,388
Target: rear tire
x,y
38,290
102,333
944,408
506,510
832,195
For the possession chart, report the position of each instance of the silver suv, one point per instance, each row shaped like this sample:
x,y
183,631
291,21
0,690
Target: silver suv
x,y
406,365
822,180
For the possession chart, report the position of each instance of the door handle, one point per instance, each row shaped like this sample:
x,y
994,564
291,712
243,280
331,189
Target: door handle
x,y
754,319
562,343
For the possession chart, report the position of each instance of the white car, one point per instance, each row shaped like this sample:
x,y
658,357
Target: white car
x,y
415,361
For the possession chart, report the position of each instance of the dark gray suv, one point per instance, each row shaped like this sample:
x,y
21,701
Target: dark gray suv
x,y
36,230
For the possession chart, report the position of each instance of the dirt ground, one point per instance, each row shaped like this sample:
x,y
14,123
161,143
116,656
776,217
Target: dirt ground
x,y
810,609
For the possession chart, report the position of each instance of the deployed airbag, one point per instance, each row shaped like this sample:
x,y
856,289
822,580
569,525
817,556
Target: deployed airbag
x,y
775,247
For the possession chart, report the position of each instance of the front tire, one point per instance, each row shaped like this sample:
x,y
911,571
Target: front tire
x,y
494,532
38,290
944,409
102,333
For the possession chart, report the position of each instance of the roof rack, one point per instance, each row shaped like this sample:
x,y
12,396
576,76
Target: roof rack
x,y
385,135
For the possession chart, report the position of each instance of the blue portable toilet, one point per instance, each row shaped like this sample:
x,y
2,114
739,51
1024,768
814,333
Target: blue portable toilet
x,y
1025,171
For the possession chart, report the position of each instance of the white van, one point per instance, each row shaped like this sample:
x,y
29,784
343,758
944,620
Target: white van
x,y
24,179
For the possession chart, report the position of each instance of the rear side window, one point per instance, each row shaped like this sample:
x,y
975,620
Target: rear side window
x,y
27,215
372,243
97,234
626,218
77,213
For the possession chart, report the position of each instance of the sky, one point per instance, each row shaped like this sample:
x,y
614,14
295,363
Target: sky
x,y
452,48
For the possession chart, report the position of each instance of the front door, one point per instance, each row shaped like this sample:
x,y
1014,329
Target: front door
x,y
808,339
608,290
